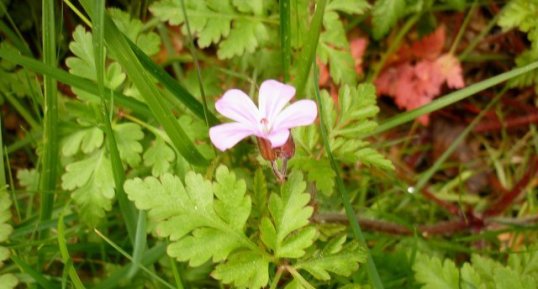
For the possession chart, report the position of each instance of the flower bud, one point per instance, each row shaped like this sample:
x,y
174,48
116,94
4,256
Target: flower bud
x,y
271,154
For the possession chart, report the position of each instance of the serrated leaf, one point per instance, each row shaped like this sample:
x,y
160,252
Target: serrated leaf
x,y
289,212
341,263
521,14
385,15
249,6
86,140
149,42
92,183
318,171
29,179
435,274
244,269
159,157
128,136
83,63
196,213
244,38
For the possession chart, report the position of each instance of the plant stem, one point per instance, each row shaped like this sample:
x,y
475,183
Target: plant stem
x,y
462,28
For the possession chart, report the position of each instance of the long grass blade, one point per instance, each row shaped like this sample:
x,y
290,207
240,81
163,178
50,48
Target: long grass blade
x,y
452,97
373,275
285,38
37,276
49,169
64,252
128,211
173,86
118,45
139,244
309,50
72,80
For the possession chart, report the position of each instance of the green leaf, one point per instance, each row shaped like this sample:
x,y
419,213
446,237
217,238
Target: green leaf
x,y
83,63
334,50
259,194
5,216
244,269
92,184
289,213
128,136
8,281
350,7
318,171
385,15
159,156
86,140
521,14
149,42
435,274
342,262
204,220
29,179
244,38
217,22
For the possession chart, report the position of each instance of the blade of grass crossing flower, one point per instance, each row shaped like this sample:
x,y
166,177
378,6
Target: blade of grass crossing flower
x,y
118,45
285,38
35,275
452,97
426,176
64,252
195,58
309,50
72,80
373,275
173,86
127,209
49,162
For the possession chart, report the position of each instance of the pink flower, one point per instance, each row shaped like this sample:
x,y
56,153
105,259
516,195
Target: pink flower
x,y
270,120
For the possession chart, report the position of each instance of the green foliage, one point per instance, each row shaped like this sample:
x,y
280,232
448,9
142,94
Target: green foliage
x,y
482,272
230,24
521,14
334,258
348,122
334,46
7,281
288,214
148,42
385,15
210,221
159,157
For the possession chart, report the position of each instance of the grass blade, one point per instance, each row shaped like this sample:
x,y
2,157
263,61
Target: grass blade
x,y
64,252
139,244
118,45
127,209
49,169
72,80
285,38
452,97
38,277
373,275
309,50
173,86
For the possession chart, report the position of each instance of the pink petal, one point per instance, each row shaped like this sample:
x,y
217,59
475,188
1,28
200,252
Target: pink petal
x,y
238,106
273,97
302,112
225,136
278,138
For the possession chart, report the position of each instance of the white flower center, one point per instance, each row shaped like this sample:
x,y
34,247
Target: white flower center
x,y
266,126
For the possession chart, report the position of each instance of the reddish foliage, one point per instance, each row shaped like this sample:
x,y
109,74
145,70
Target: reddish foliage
x,y
417,72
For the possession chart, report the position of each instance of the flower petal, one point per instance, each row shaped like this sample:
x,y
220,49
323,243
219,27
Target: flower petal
x,y
273,97
278,138
299,113
225,136
236,105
